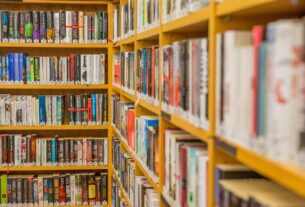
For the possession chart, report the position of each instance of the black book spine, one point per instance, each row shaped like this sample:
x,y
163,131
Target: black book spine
x,y
75,33
104,188
43,26
49,151
61,155
78,109
52,71
14,190
28,149
71,109
19,190
25,191
21,26
105,26
68,188
30,190
71,150
84,100
62,25
77,66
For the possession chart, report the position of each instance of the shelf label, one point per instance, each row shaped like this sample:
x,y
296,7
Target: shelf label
x,y
165,115
226,147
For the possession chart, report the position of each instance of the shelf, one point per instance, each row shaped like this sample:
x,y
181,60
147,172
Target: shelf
x,y
54,45
149,106
51,168
149,34
131,153
186,126
63,127
52,87
289,176
196,21
122,190
128,41
124,93
259,7
69,2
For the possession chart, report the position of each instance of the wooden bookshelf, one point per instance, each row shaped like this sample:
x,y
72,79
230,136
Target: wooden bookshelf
x,y
52,168
54,45
207,22
55,128
122,190
53,87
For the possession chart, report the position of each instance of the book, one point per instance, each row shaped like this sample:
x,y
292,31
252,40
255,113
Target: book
x,y
148,15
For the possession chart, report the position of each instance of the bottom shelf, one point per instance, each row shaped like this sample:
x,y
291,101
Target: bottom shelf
x,y
288,175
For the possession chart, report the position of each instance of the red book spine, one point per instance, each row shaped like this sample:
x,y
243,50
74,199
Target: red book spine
x,y
62,190
257,34
72,68
89,110
33,149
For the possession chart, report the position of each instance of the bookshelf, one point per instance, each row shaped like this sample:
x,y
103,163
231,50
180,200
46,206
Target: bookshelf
x,y
207,22
54,49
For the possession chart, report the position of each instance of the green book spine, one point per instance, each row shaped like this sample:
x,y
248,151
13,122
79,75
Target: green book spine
x,y
3,189
36,69
32,68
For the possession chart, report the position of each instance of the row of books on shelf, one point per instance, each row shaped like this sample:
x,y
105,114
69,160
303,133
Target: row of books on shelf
x,y
55,189
260,85
185,80
123,70
70,109
31,150
237,185
127,18
137,188
140,134
148,15
54,26
116,23
173,9
20,68
148,74
117,199
186,169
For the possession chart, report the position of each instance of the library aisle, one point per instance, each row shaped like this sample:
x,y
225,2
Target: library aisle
x,y
152,103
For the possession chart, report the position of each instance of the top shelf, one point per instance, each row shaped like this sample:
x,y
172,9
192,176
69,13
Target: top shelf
x,y
66,2
54,45
259,7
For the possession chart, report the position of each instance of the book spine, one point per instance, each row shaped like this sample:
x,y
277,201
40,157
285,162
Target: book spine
x,y
36,32
43,26
75,31
62,26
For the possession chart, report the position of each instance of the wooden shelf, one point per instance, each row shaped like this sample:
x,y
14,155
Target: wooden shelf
x,y
52,87
128,41
149,34
186,126
130,152
259,7
122,190
196,21
54,45
63,127
127,95
69,2
51,168
149,106
290,176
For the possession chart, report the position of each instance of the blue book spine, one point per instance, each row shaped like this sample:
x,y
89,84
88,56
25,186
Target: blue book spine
x,y
45,193
93,97
59,109
21,66
11,66
53,152
16,67
42,110
148,123
144,71
28,68
262,89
